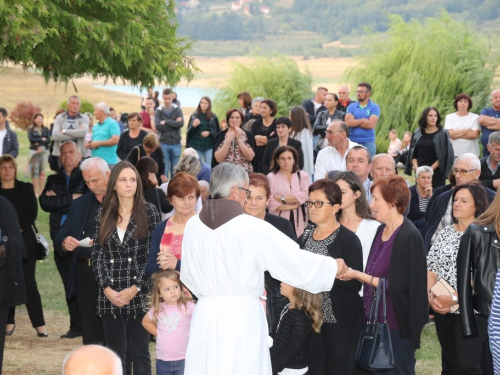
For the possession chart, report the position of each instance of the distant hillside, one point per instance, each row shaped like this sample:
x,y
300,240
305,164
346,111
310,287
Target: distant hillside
x,y
308,27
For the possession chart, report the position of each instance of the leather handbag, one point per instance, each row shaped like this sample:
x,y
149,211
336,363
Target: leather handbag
x,y
374,352
42,245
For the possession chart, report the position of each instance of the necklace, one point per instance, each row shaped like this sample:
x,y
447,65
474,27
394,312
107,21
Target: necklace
x,y
285,310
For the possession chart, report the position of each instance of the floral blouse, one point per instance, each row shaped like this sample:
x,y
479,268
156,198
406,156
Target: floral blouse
x,y
235,156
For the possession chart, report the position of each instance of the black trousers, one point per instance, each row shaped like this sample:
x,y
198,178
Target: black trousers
x,y
4,311
464,356
86,299
63,266
438,179
332,351
34,304
128,337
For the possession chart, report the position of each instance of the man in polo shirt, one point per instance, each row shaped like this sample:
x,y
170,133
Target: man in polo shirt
x,y
105,136
333,157
490,173
359,161
489,119
362,117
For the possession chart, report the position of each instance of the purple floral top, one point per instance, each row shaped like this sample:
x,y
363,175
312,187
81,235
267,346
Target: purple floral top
x,y
378,265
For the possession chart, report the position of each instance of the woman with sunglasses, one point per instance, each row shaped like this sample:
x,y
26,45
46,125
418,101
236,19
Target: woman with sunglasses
x,y
332,351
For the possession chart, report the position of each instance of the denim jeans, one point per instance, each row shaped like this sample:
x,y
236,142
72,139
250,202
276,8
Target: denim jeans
x,y
121,333
171,154
170,367
207,156
370,146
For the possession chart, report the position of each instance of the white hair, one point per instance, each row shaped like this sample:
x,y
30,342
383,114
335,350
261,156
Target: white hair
x,y
74,97
117,368
424,169
95,162
103,107
491,95
224,177
346,87
474,161
190,151
258,99
204,184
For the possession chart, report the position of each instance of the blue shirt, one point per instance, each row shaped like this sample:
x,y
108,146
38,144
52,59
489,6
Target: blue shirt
x,y
485,131
363,135
102,132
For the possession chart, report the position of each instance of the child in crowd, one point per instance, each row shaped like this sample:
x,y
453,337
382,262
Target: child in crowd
x,y
169,319
293,331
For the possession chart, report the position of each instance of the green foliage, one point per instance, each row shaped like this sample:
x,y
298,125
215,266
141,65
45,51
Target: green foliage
x,y
22,114
134,40
86,106
424,64
277,78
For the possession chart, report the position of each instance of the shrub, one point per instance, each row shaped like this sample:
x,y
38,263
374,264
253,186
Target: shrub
x,y
22,114
277,78
86,106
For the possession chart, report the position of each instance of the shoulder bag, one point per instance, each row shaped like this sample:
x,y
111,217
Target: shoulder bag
x,y
42,245
374,352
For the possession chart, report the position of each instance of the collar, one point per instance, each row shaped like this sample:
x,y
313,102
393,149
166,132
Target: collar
x,y
364,106
345,102
217,212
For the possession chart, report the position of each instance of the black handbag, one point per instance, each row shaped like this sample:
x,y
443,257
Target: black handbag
x,y
374,352
42,245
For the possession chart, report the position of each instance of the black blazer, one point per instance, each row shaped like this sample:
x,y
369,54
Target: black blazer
x,y
125,142
346,301
272,145
308,105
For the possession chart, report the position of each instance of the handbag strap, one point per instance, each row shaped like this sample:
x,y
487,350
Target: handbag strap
x,y
382,282
375,304
158,200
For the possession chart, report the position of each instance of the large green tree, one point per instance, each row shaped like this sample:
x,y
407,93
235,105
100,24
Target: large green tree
x,y
134,40
424,64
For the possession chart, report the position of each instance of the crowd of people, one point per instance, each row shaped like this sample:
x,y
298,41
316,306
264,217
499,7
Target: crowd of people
x,y
263,246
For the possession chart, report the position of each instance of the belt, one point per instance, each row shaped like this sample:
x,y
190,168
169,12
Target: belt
x,y
86,261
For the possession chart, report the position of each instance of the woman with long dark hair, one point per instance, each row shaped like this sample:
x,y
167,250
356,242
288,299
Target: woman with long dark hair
x,y
39,137
264,129
431,146
202,128
147,169
124,227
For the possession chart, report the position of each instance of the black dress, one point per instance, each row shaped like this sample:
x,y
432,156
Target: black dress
x,y
426,154
258,128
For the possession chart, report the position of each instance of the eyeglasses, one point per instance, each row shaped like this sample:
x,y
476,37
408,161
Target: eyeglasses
x,y
317,204
247,192
330,132
461,172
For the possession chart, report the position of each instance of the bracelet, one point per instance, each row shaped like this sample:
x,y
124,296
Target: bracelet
x,y
371,281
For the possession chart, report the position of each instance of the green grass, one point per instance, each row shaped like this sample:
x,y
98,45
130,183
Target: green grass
x,y
52,292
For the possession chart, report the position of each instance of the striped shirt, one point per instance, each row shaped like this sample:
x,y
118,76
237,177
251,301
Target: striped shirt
x,y
494,325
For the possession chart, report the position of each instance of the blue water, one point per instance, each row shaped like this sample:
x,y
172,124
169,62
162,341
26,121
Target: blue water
x,y
188,96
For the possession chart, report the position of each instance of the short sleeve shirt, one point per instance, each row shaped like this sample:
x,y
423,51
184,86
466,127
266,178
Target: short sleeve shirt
x,y
485,131
358,111
102,132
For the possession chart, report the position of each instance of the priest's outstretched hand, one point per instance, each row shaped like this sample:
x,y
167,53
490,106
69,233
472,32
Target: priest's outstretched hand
x,y
341,267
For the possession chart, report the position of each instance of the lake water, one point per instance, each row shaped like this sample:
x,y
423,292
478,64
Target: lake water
x,y
188,96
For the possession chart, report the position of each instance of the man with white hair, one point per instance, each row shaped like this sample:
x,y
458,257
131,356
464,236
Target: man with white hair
x,y
344,99
92,360
205,190
205,172
489,119
224,255
490,173
466,168
105,135
69,126
75,237
383,166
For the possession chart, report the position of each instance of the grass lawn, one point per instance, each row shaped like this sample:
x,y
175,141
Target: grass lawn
x,y
25,353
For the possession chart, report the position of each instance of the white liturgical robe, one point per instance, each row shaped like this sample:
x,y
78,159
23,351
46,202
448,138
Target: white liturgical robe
x,y
224,267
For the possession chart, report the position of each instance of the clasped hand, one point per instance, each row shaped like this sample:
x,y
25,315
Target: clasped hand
x,y
166,260
121,298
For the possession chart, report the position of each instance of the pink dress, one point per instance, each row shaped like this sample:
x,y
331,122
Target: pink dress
x,y
280,186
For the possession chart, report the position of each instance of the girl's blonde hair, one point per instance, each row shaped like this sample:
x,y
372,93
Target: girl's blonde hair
x,y
154,298
312,306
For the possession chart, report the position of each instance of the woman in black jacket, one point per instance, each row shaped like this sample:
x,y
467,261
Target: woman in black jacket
x,y
332,351
22,196
397,255
147,169
39,137
430,145
12,288
150,147
132,137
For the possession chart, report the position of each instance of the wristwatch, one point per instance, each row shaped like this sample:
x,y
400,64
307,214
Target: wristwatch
x,y
283,199
454,298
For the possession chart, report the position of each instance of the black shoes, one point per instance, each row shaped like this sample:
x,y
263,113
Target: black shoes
x,y
71,335
9,333
42,334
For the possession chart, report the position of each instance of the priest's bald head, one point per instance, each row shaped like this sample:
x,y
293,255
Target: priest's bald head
x,y
92,360
229,181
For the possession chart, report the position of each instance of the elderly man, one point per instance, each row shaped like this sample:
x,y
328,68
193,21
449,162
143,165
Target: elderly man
x,y
92,359
333,157
75,236
359,161
69,126
344,99
489,119
225,254
362,116
60,191
105,135
490,173
8,138
383,166
421,194
466,168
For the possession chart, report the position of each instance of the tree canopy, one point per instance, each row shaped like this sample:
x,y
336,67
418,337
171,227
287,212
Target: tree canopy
x,y
424,64
134,40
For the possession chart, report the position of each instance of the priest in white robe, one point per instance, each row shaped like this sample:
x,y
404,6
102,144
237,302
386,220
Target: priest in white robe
x,y
224,255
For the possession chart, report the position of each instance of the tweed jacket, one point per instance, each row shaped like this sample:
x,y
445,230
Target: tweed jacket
x,y
120,265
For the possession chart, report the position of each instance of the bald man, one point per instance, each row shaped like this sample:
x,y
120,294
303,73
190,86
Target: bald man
x,y
383,166
92,360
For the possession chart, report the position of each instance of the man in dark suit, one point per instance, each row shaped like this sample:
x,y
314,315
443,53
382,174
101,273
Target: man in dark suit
x,y
80,225
315,105
283,127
